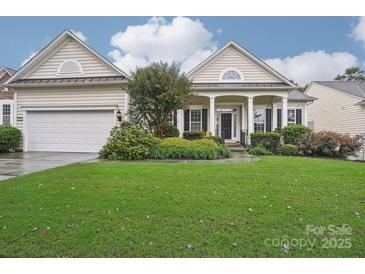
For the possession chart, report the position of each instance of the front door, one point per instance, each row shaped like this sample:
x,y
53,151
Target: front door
x,y
226,125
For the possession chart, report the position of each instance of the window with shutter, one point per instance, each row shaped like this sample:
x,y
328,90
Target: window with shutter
x,y
298,117
279,119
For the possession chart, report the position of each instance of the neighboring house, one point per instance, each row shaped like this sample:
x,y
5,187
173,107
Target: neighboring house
x,y
237,94
340,106
7,116
68,97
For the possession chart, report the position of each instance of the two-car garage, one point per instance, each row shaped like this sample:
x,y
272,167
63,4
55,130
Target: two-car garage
x,y
68,130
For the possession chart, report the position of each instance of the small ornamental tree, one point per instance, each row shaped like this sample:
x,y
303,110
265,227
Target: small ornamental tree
x,y
156,91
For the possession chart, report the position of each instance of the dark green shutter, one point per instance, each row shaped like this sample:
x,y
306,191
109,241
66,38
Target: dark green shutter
x,y
298,116
175,118
279,119
204,119
186,120
268,120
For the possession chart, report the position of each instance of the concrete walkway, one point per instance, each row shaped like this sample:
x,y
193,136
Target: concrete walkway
x,y
21,163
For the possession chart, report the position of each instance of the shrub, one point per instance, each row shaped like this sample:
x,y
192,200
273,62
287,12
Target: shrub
x,y
178,148
171,131
224,152
306,144
269,140
292,132
128,143
259,150
217,139
288,150
193,135
327,144
348,146
9,138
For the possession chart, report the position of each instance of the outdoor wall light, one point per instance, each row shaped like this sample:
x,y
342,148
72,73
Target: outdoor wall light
x,y
119,116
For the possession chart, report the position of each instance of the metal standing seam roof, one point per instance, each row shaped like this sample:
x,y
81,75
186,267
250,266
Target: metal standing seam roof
x,y
72,80
237,85
356,88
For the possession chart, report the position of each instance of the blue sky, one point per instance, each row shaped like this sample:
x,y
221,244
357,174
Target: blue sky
x,y
299,44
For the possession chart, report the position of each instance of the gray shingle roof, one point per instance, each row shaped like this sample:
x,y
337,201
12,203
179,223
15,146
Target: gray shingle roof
x,y
356,88
296,95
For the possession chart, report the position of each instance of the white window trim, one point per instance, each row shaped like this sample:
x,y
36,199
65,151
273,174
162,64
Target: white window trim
x,y
196,107
231,80
261,107
78,73
295,116
12,111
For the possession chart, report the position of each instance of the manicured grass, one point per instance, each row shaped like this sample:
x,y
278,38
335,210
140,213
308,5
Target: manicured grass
x,y
136,209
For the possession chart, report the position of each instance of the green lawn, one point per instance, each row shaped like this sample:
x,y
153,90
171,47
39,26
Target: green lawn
x,y
136,209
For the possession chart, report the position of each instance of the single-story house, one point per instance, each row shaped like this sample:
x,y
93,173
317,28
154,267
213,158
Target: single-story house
x,y
340,106
236,94
68,97
7,115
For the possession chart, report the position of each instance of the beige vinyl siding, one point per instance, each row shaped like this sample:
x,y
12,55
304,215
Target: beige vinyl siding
x,y
91,65
232,58
66,97
335,110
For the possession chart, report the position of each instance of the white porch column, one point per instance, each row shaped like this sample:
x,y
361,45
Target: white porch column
x,y
284,112
243,116
180,121
250,125
274,116
212,115
305,114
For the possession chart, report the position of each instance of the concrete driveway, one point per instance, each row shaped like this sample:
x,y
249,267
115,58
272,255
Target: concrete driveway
x,y
20,163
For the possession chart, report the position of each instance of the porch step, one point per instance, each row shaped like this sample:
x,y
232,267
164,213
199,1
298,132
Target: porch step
x,y
235,147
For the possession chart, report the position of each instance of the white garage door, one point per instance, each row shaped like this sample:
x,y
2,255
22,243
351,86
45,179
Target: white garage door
x,y
69,131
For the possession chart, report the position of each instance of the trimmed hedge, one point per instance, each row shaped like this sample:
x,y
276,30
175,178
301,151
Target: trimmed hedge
x,y
292,132
171,131
288,150
178,148
193,135
9,138
269,140
128,143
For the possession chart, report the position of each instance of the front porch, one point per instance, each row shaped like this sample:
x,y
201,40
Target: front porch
x,y
234,117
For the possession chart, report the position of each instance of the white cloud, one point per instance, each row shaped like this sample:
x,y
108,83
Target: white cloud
x,y
183,41
313,65
220,31
80,35
28,58
358,32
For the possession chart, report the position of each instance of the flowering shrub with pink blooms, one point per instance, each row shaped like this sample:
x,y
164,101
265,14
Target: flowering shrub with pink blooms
x,y
327,144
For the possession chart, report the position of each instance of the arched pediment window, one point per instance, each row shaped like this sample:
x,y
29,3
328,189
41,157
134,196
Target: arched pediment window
x,y
231,75
70,67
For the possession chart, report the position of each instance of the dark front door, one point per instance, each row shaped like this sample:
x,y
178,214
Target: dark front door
x,y
226,121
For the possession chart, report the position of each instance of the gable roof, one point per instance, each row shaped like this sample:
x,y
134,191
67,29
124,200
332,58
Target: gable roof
x,y
7,70
356,88
249,55
43,54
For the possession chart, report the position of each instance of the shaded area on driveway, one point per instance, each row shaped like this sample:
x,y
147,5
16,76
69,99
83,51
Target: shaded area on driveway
x,y
20,163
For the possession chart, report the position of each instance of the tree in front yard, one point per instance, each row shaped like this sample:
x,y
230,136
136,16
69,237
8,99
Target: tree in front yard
x,y
352,74
156,91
